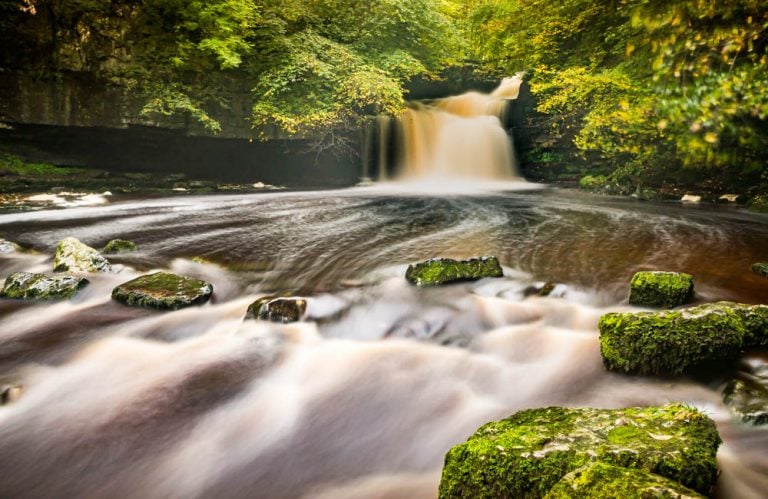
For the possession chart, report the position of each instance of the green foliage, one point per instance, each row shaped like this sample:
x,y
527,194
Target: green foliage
x,y
650,87
16,166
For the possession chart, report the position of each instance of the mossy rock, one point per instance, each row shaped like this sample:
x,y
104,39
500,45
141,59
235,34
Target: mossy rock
x,y
760,268
755,318
277,309
444,270
593,182
747,400
163,290
660,289
29,286
671,341
603,480
119,246
74,256
758,204
527,454
8,246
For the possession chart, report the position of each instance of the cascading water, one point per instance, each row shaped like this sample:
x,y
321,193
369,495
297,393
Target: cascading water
x,y
455,138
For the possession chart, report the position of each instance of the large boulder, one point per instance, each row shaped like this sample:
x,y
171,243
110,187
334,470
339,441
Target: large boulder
x,y
527,454
760,268
74,256
119,246
603,480
660,289
29,286
669,342
163,290
444,270
277,309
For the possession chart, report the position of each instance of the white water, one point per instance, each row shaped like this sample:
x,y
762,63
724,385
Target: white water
x,y
457,138
365,398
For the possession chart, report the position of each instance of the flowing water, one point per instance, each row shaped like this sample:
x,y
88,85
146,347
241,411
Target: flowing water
x,y
364,398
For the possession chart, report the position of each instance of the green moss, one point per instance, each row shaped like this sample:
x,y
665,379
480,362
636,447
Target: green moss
x,y
29,286
74,256
444,270
758,204
16,166
760,268
119,246
163,290
669,342
593,183
277,309
660,289
602,480
526,454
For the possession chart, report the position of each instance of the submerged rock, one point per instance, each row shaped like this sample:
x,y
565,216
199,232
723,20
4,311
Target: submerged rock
x,y
760,268
74,256
163,290
748,400
277,309
444,270
527,454
8,246
29,286
603,480
119,246
671,341
10,393
660,289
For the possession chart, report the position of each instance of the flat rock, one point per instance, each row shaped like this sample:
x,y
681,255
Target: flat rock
x,y
529,453
119,246
74,256
30,286
445,270
669,342
163,290
660,289
760,268
277,309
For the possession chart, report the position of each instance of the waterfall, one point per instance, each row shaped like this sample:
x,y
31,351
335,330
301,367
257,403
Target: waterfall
x,y
456,137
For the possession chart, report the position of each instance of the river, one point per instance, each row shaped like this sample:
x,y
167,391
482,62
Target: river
x,y
363,398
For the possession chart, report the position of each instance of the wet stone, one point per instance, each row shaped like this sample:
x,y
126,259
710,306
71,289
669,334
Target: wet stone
x,y
119,246
277,309
439,271
8,246
660,289
10,393
30,286
74,256
760,268
164,291
529,453
671,341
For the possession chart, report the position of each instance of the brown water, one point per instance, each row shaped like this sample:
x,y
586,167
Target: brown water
x,y
365,397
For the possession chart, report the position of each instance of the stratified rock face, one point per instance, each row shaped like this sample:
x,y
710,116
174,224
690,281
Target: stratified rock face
x,y
74,256
760,268
163,291
660,289
671,341
119,246
527,454
8,246
29,286
602,480
277,309
444,270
